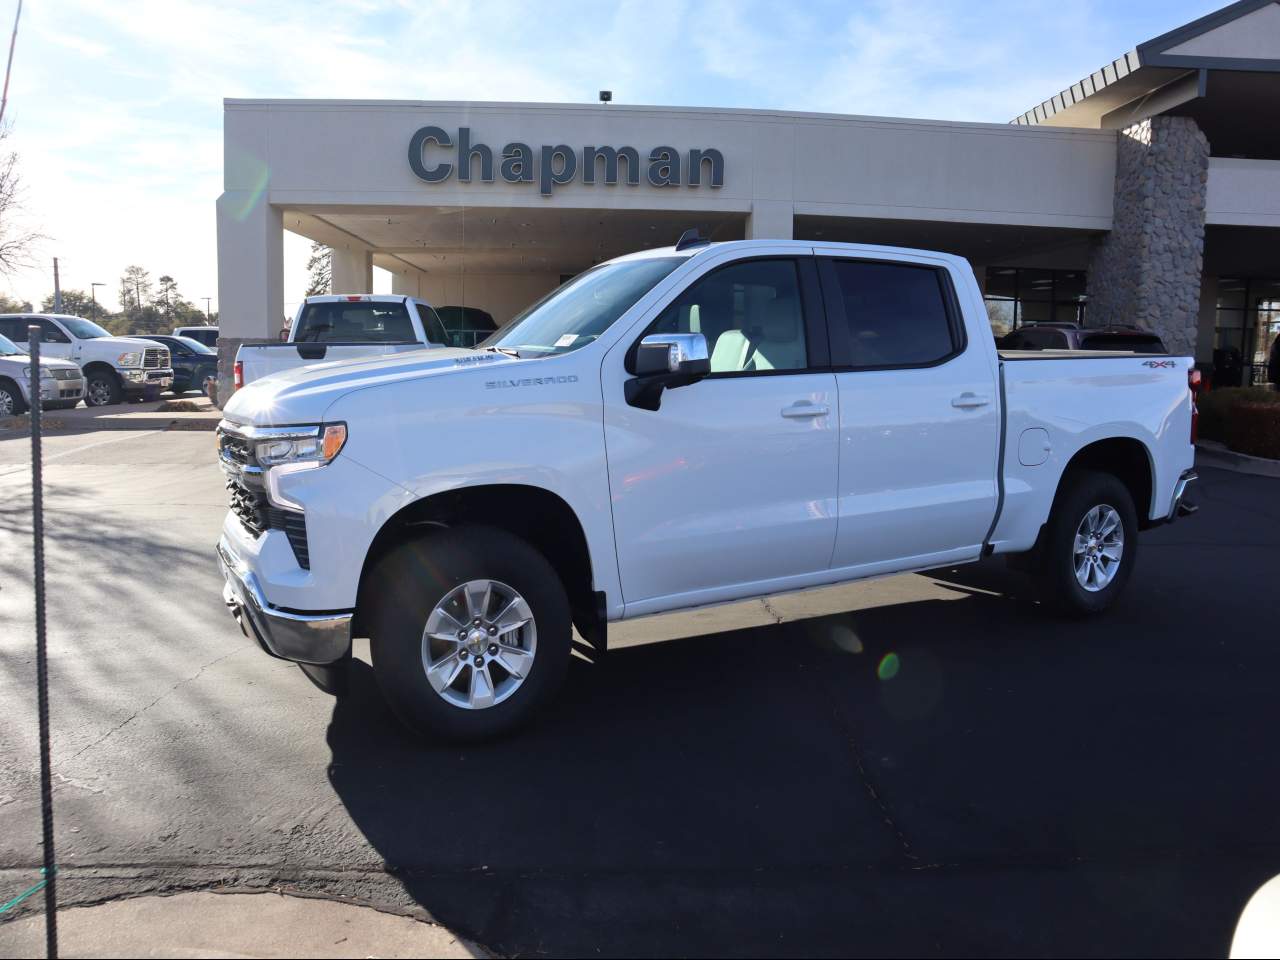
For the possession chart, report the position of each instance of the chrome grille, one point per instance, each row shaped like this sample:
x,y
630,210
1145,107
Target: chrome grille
x,y
66,373
250,507
155,357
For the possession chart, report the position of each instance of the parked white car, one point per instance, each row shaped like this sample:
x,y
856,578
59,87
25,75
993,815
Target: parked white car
x,y
672,429
115,368
206,335
336,327
59,381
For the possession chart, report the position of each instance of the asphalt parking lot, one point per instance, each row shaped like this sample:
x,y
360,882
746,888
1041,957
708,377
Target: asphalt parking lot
x,y
1019,786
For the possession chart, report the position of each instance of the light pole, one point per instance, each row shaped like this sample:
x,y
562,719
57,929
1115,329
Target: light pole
x,y
208,314
93,292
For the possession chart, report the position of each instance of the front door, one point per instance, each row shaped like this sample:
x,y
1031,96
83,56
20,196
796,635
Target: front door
x,y
732,482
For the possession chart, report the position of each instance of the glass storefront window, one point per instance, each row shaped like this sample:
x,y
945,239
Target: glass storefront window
x,y
1020,295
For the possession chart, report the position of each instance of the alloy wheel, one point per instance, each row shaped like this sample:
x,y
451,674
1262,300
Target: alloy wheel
x,y
479,643
1098,547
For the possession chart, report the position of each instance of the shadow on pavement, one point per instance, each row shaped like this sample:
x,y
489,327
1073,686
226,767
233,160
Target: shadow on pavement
x,y
1017,786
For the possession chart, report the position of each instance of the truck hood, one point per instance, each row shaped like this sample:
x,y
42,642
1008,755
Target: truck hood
x,y
46,363
302,395
126,343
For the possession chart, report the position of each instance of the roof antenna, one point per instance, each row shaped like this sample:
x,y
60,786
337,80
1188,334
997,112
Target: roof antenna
x,y
691,238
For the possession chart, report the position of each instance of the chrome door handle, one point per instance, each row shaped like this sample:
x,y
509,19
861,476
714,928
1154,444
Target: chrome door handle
x,y
968,400
803,408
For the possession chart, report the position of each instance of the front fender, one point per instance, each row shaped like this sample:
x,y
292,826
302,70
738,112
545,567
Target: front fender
x,y
539,424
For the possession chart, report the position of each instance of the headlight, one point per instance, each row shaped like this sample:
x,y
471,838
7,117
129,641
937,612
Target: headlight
x,y
44,374
131,359
311,445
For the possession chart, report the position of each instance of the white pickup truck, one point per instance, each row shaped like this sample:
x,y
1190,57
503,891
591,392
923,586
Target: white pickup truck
x,y
671,429
334,327
115,368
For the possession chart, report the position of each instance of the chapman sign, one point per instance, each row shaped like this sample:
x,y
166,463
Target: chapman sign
x,y
434,156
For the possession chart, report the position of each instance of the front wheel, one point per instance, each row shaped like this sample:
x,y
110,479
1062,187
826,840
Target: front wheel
x,y
470,632
102,389
11,402
1090,544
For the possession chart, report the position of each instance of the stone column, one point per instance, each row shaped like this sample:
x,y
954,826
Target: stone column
x,y
1147,270
250,276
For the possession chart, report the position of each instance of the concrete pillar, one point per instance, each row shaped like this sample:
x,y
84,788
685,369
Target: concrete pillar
x,y
771,220
250,275
406,282
352,269
1147,270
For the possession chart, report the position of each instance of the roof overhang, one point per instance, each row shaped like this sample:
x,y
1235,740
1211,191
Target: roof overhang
x,y
1168,71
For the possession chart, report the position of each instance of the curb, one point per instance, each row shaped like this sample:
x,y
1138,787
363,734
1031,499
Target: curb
x,y
1211,453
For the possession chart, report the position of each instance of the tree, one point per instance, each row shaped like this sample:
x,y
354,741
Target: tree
x,y
319,270
16,242
135,288
9,305
75,302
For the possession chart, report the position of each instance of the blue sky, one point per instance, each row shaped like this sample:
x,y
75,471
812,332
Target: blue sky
x,y
116,107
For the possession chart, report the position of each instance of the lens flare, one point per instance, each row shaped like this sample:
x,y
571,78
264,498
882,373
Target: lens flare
x,y
888,667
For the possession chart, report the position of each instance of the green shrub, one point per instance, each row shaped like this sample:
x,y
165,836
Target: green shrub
x,y
1216,407
1254,428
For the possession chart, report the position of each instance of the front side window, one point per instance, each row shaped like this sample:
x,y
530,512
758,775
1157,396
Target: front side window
x,y
750,314
50,332
361,321
896,313
14,328
577,313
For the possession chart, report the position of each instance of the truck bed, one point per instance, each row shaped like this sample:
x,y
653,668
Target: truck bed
x,y
1073,354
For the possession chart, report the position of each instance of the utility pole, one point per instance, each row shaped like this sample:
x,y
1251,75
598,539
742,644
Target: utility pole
x,y
57,289
93,292
208,314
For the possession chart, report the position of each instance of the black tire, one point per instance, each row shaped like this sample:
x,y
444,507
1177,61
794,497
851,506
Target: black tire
x,y
102,389
61,404
404,588
11,402
1080,493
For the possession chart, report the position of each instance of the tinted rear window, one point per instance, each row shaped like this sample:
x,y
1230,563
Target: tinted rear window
x,y
1137,342
896,312
363,321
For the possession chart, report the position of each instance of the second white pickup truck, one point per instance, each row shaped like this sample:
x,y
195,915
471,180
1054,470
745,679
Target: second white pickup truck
x,y
333,327
671,429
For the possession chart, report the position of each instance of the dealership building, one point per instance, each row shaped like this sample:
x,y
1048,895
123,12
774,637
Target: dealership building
x,y
1145,193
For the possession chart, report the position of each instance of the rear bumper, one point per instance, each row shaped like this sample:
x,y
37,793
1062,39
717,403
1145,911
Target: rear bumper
x,y
1178,506
301,637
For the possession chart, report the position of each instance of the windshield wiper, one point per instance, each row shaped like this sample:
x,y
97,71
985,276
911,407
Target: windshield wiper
x,y
508,351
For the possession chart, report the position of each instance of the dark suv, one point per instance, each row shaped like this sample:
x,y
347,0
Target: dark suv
x,y
1072,336
192,362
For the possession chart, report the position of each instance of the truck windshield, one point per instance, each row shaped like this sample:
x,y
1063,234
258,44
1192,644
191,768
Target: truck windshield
x,y
574,314
83,329
7,348
362,321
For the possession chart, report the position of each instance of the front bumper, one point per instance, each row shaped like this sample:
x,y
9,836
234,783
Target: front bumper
x,y
301,637
134,380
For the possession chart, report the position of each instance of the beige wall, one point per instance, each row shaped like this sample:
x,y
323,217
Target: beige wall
x,y
318,156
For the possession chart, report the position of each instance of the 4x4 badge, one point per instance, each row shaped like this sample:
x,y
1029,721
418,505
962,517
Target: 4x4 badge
x,y
1158,364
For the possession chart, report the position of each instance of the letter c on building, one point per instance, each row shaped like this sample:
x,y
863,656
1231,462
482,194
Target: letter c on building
x,y
418,143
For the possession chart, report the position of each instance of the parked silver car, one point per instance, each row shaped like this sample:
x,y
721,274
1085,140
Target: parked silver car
x,y
60,382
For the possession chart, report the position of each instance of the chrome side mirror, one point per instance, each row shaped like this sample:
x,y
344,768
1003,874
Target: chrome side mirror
x,y
666,360
679,353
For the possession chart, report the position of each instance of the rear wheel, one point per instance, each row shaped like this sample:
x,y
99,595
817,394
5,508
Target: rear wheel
x,y
470,632
1090,544
102,388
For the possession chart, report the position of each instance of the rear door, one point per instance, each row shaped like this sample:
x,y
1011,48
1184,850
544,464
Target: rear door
x,y
919,415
